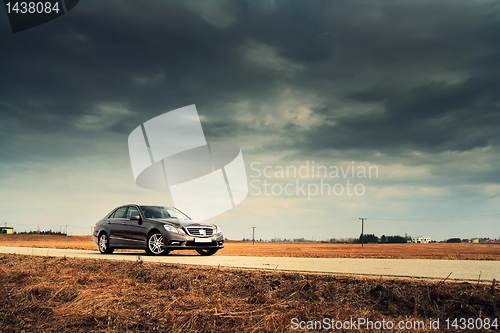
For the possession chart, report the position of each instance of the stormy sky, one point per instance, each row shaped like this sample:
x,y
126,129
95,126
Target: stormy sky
x,y
411,87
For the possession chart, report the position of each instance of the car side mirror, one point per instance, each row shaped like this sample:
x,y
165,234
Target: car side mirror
x,y
136,218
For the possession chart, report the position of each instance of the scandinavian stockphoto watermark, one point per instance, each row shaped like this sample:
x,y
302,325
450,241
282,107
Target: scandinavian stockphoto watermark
x,y
361,324
310,179
205,179
430,324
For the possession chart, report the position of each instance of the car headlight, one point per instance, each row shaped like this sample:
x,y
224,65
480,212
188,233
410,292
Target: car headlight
x,y
171,228
217,230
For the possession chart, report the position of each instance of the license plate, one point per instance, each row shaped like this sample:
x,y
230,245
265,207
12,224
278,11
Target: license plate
x,y
203,240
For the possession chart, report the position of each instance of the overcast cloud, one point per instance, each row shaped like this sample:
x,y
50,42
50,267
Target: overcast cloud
x,y
412,87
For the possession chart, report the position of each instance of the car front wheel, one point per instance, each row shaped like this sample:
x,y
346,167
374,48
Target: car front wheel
x,y
104,244
155,244
206,252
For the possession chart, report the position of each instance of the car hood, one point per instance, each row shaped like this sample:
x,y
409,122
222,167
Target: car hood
x,y
184,223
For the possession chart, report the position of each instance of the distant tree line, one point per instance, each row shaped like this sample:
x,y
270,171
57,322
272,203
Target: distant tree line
x,y
454,240
395,239
278,240
367,239
49,232
371,238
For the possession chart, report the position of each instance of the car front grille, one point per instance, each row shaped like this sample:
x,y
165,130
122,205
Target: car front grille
x,y
200,231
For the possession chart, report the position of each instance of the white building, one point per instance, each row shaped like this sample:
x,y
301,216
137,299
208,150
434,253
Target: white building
x,y
421,240
6,229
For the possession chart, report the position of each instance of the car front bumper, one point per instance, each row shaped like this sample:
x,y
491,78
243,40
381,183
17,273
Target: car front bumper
x,y
187,242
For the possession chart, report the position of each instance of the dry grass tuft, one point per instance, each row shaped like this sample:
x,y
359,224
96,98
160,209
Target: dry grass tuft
x,y
46,294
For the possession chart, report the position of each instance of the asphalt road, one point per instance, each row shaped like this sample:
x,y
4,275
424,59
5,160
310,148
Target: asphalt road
x,y
415,268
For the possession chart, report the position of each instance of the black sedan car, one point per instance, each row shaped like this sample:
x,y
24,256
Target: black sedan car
x,y
156,229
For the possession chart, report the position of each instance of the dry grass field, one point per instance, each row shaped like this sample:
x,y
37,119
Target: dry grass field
x,y
314,250
46,294
325,250
49,241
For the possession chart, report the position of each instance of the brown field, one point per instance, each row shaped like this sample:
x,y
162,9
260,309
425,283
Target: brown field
x,y
325,250
313,250
46,294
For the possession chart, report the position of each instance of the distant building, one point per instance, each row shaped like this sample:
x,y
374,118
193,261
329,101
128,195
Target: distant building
x,y
475,240
7,229
421,240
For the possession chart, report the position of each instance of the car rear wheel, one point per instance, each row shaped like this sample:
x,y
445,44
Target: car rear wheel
x,y
206,252
104,244
155,245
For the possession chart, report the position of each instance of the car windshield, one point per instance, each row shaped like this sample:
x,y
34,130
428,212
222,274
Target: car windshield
x,y
161,212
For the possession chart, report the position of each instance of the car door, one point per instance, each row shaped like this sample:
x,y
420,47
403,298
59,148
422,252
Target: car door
x,y
116,225
134,231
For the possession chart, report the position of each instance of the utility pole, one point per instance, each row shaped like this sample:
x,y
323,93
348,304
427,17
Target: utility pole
x,y
253,235
67,230
362,228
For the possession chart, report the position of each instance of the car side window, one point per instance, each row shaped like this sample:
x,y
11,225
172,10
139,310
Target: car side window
x,y
148,212
153,212
132,211
119,213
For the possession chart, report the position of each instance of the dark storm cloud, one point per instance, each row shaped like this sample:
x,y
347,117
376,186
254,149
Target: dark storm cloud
x,y
409,68
107,67
432,117
409,86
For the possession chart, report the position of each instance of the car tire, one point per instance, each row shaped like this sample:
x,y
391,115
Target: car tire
x,y
206,252
154,244
104,244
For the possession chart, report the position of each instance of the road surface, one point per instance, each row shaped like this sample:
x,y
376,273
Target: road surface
x,y
416,268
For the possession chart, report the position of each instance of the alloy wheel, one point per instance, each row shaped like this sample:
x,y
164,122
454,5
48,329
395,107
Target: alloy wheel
x,y
103,243
155,244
